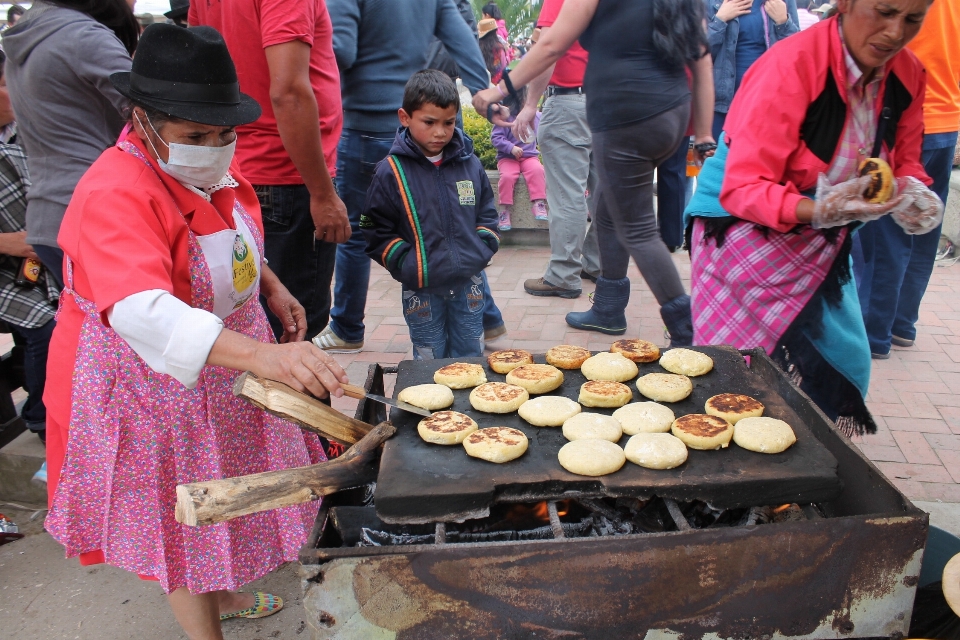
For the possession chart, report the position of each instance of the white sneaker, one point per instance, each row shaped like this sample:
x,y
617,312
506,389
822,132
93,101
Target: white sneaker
x,y
332,343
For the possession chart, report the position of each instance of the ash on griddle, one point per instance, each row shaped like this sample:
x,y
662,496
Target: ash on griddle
x,y
585,518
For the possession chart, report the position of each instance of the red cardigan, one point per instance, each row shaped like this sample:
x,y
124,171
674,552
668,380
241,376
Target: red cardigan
x,y
784,125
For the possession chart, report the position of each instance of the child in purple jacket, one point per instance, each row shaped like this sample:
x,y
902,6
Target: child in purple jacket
x,y
513,158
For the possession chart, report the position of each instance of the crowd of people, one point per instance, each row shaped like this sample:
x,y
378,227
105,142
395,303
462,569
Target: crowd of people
x,y
198,206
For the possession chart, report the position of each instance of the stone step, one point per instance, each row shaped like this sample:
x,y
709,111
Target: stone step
x,y
19,460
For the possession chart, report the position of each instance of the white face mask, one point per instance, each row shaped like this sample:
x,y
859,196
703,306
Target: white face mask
x,y
192,164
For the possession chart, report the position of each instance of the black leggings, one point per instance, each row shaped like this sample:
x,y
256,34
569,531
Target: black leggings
x,y
626,222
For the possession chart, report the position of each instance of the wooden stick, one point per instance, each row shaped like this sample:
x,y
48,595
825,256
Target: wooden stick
x,y
213,501
282,401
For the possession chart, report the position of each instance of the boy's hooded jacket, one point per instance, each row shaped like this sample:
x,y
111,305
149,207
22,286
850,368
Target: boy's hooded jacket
x,y
431,227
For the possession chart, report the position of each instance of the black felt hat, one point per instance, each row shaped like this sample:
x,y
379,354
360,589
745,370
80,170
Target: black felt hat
x,y
188,74
178,9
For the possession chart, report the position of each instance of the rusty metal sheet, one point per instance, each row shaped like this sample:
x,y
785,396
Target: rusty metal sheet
x,y
421,482
849,577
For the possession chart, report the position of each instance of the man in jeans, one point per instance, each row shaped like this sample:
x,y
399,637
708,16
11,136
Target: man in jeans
x,y
375,63
565,144
289,154
895,267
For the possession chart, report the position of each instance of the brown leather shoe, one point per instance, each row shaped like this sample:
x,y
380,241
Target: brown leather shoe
x,y
541,287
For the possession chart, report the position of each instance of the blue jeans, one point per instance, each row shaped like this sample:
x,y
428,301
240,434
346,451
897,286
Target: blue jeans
x,y
357,156
673,191
446,325
36,343
303,264
719,121
896,266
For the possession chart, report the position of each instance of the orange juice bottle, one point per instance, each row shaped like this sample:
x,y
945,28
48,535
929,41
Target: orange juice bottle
x,y
693,164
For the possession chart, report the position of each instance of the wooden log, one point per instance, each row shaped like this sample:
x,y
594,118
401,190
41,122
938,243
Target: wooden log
x,y
213,501
282,401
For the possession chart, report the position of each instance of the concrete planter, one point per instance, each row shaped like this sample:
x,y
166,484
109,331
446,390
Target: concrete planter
x,y
526,230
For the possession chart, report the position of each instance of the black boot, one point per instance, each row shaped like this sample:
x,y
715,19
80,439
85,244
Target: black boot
x,y
676,315
607,314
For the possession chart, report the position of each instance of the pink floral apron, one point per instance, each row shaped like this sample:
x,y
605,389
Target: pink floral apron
x,y
135,434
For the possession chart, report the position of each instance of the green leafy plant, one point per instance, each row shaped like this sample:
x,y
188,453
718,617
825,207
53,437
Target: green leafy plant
x,y
479,130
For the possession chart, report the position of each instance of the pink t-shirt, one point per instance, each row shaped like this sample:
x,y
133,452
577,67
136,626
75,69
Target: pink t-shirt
x,y
245,24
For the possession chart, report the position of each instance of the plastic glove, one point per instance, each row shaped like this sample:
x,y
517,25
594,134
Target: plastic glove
x,y
842,203
921,210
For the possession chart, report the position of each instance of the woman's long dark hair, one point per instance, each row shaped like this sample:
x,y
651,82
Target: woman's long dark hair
x,y
678,31
492,10
490,47
113,14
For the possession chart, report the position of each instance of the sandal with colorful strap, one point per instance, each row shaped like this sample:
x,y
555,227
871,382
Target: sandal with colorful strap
x,y
264,604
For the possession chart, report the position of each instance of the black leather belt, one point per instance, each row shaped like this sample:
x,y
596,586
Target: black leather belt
x,y
553,90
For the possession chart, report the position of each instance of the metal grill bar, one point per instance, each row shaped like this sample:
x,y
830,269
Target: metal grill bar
x,y
555,520
677,515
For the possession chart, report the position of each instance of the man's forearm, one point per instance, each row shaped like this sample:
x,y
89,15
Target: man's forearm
x,y
298,121
537,86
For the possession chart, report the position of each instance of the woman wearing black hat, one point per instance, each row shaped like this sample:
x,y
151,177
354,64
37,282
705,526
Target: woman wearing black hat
x,y
164,268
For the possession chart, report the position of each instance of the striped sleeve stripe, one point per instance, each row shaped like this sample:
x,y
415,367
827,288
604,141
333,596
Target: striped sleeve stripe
x,y
485,230
388,252
408,204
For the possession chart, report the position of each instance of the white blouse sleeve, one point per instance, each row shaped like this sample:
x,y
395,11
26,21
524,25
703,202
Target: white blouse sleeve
x,y
170,335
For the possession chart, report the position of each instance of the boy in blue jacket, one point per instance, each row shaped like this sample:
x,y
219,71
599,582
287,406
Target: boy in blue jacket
x,y
431,221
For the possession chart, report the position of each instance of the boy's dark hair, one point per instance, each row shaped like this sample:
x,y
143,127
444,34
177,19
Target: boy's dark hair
x,y
429,87
14,11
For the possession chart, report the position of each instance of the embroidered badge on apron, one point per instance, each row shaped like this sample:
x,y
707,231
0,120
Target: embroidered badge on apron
x,y
244,270
234,265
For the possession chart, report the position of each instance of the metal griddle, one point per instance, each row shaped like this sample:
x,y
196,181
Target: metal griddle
x,y
420,482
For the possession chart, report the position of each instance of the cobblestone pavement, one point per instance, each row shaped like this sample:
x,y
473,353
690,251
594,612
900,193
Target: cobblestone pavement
x,y
914,396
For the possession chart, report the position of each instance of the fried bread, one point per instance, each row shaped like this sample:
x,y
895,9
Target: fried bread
x,y
636,350
506,360
764,435
592,425
591,457
733,407
536,378
498,397
686,362
446,427
703,432
665,387
609,366
656,450
460,375
427,396
567,356
548,411
644,417
496,444
604,393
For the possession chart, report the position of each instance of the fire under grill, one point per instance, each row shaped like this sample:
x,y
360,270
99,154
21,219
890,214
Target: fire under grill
x,y
583,518
566,559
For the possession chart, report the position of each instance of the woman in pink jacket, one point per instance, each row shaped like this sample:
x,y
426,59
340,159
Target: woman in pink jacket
x,y
776,207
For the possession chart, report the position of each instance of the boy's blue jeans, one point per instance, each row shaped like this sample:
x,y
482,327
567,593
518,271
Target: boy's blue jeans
x,y
448,324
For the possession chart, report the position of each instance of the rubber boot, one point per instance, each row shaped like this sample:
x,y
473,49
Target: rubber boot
x,y
607,313
676,315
